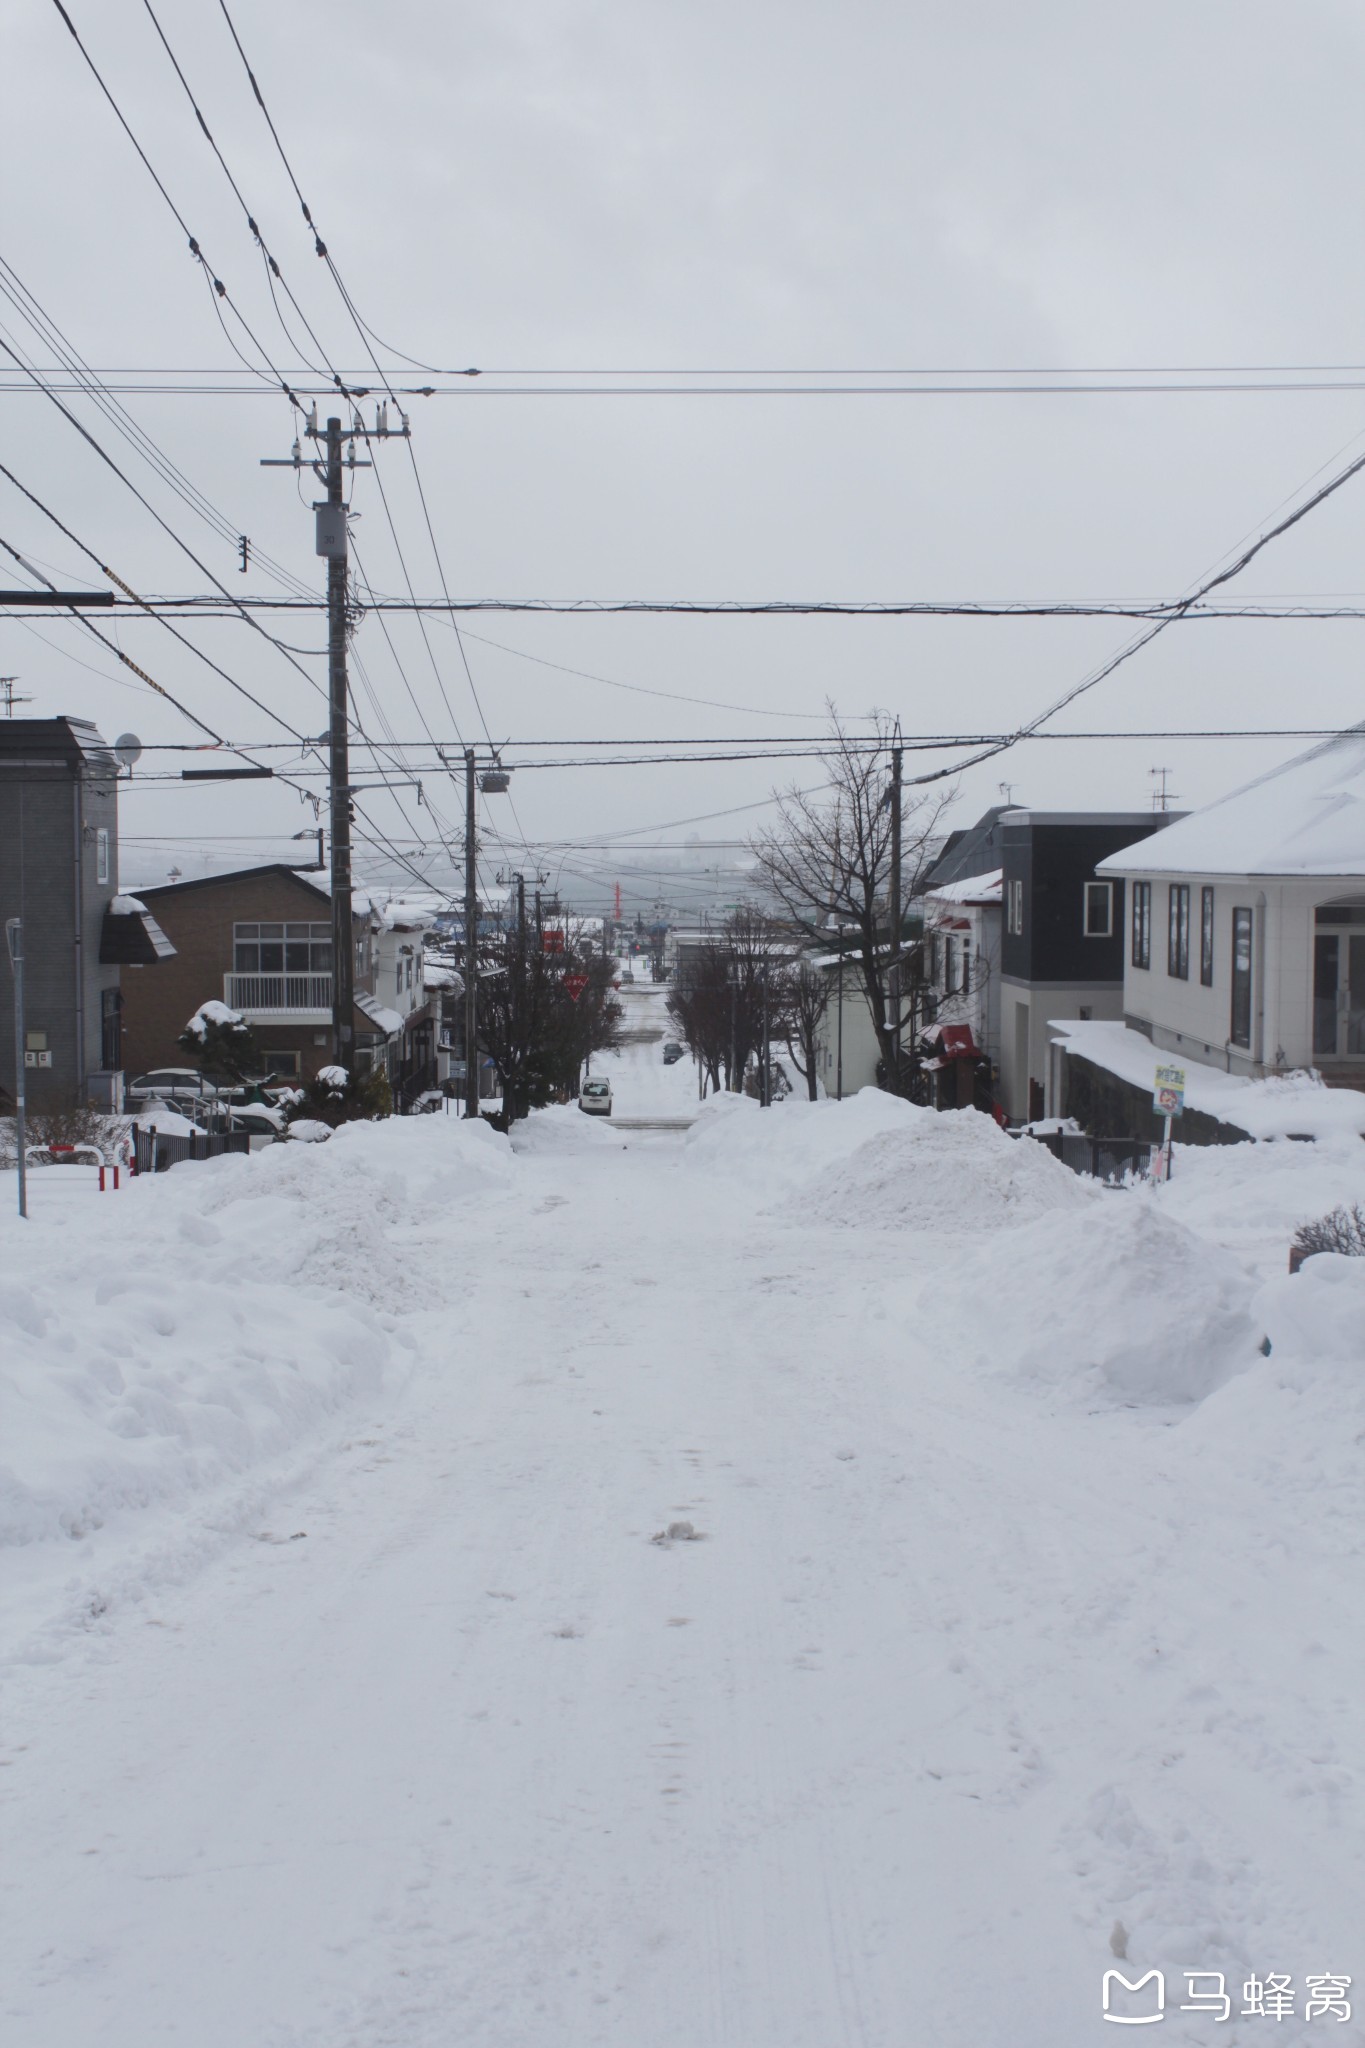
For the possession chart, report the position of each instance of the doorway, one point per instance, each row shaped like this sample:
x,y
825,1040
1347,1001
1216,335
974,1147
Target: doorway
x,y
1339,981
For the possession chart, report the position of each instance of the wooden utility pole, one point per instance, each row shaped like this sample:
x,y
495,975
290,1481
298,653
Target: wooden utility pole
x,y
471,942
331,542
894,967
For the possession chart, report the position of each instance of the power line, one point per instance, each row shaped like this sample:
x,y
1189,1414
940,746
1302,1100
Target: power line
x,y
217,289
297,388
1174,609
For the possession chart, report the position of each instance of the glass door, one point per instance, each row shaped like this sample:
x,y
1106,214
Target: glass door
x,y
1339,982
1352,998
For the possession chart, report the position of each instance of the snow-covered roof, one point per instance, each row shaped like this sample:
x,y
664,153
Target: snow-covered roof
x,y
406,917
971,889
1273,1108
385,1020
1306,817
128,906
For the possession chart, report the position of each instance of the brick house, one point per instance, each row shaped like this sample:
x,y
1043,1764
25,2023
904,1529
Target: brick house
x,y
260,940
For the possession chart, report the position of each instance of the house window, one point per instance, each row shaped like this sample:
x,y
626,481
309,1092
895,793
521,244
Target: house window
x,y
408,976
1099,910
1142,924
1178,931
101,853
1206,937
1241,978
282,948
966,967
280,1062
1014,909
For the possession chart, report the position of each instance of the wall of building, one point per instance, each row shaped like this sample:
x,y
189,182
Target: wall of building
x,y
50,820
861,1053
198,919
1186,1016
1026,1014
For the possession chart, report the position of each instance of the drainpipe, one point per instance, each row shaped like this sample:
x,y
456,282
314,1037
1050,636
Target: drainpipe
x,y
77,792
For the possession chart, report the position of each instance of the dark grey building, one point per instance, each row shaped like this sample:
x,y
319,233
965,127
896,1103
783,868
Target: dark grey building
x,y
1061,949
59,874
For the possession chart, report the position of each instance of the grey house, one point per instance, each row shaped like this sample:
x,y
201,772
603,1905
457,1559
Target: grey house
x,y
59,874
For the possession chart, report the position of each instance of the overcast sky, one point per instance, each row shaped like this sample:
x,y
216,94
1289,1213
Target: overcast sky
x,y
573,188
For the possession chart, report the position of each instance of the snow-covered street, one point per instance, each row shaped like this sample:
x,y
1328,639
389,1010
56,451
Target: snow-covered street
x,y
360,1706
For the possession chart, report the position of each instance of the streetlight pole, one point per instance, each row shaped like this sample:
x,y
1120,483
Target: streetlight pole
x,y
14,940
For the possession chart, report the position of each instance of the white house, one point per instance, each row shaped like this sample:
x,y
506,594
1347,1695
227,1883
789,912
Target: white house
x,y
1246,923
399,1010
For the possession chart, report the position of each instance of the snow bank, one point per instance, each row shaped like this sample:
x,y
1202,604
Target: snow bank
x,y
209,1318
1252,1198
780,1151
874,1161
1115,1303
1317,1315
954,1171
563,1128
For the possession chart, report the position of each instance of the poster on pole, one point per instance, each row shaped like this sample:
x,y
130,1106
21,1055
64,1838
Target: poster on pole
x,y
1168,1096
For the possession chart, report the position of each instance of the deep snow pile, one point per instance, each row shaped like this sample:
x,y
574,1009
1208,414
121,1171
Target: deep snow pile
x,y
1118,1303
877,1162
156,1343
947,1171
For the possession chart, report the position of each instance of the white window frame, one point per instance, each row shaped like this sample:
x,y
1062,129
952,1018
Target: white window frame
x,y
101,853
1102,892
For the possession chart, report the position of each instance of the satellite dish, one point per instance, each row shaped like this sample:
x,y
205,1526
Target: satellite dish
x,y
127,749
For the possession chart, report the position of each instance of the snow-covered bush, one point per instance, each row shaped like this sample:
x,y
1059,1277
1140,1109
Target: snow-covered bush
x,y
335,1096
221,1043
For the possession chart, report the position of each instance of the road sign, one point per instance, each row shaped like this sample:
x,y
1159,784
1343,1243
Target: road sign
x,y
1168,1096
574,985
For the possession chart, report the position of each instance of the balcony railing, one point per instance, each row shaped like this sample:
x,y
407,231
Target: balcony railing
x,y
286,994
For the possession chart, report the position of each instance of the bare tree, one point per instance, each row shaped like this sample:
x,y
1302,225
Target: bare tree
x,y
541,1016
807,1000
827,860
733,984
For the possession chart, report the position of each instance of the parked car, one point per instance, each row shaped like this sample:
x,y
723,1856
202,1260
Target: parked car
x,y
594,1098
171,1084
673,1052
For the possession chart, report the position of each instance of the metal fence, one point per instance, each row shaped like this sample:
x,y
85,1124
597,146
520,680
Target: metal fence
x,y
1111,1160
155,1151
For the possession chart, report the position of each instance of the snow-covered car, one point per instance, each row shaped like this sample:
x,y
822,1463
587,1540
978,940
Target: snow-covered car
x,y
262,1123
594,1098
673,1052
171,1084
